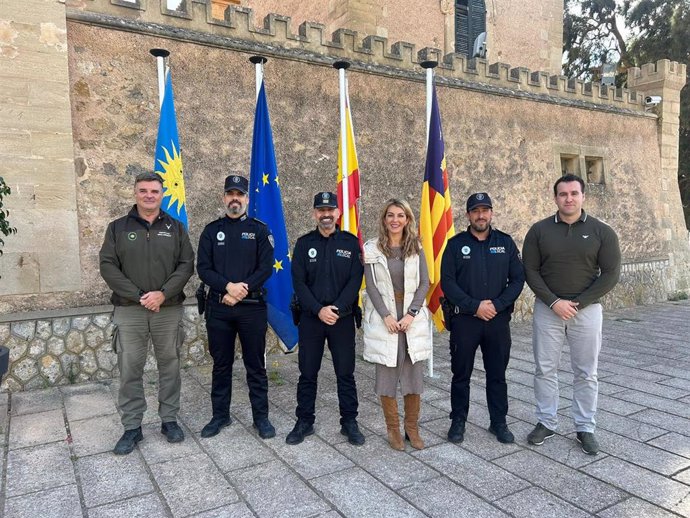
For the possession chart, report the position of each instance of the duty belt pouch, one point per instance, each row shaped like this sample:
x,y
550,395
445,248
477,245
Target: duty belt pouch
x,y
449,310
295,309
201,297
357,313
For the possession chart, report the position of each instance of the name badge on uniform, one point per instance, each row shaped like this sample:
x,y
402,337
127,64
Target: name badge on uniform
x,y
248,235
312,255
465,252
220,238
347,254
497,249
163,233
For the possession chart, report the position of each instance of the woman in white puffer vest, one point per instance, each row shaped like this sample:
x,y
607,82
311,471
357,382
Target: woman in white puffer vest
x,y
396,321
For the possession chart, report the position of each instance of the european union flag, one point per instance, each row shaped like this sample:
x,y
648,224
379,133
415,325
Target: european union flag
x,y
168,161
265,204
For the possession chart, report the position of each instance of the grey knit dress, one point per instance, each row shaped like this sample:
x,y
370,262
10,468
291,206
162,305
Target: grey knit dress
x,y
409,376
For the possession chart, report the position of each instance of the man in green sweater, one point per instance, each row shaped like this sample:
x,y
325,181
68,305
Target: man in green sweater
x,y
571,260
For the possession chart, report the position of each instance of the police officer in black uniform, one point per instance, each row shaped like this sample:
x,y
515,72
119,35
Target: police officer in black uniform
x,y
235,259
327,275
481,276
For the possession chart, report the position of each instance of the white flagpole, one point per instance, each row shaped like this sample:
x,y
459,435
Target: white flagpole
x,y
259,71
160,55
341,66
429,66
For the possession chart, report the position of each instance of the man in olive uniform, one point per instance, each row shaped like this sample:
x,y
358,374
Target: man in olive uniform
x,y
146,259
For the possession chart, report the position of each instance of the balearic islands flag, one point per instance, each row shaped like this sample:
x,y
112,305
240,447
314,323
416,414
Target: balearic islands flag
x,y
266,204
352,185
168,160
436,216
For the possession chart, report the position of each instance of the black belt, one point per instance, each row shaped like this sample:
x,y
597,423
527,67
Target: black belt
x,y
253,297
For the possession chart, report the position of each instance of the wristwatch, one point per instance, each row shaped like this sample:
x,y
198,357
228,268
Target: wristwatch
x,y
412,312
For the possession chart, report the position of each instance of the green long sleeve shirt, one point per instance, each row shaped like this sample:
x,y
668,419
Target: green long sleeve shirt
x,y
579,262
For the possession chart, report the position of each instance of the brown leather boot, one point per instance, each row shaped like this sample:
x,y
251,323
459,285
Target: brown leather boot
x,y
412,406
390,412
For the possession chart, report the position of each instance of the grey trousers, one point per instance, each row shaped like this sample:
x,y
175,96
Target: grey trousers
x,y
134,325
583,334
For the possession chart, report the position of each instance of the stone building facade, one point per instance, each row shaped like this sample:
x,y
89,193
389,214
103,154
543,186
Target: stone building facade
x,y
528,33
80,111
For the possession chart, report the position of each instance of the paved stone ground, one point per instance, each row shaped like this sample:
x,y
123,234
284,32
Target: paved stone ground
x,y
56,459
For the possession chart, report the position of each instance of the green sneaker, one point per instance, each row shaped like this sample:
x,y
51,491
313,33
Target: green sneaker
x,y
539,435
588,442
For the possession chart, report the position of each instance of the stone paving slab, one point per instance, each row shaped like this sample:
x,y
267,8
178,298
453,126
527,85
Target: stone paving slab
x,y
672,495
481,477
393,468
236,448
635,508
107,478
673,442
442,498
149,506
569,484
56,444
36,401
90,400
95,434
192,484
61,502
274,490
356,493
35,429
38,468
535,502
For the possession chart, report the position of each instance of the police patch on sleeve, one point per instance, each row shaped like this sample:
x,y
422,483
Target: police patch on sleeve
x,y
270,240
220,236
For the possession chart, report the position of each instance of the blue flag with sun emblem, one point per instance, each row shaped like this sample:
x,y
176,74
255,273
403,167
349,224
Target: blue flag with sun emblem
x,y
265,204
168,161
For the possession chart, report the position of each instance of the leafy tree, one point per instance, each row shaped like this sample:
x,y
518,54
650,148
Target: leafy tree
x,y
591,36
656,29
5,228
662,30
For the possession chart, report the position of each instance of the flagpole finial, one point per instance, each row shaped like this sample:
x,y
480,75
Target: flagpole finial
x,y
258,59
160,53
341,65
429,64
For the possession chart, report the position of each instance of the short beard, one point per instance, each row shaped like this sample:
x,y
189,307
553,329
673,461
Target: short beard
x,y
326,225
476,228
235,210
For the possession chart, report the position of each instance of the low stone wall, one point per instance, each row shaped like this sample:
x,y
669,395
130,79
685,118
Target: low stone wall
x,y
50,348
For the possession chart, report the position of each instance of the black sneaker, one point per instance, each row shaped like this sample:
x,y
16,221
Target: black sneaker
x,y
264,428
354,436
539,435
502,433
172,431
588,442
299,432
128,441
214,426
456,432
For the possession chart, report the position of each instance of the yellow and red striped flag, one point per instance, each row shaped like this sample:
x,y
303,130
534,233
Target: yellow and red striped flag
x,y
352,185
436,216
